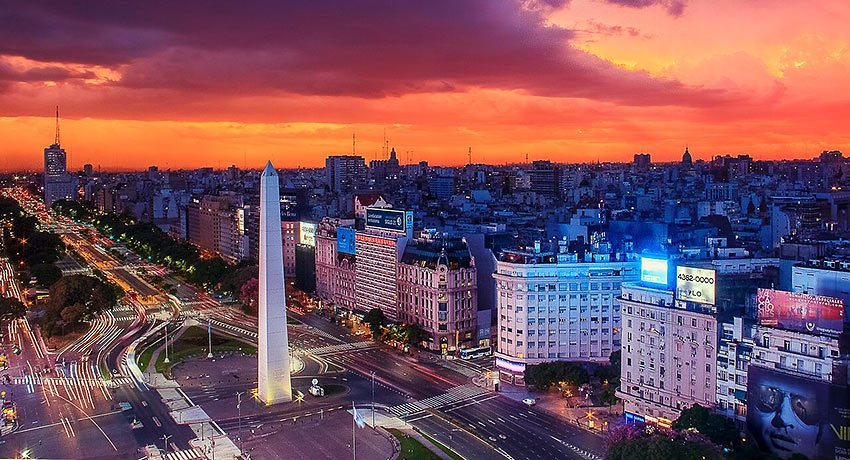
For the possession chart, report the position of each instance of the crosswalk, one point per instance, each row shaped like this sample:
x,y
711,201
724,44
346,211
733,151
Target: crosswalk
x,y
190,454
328,349
237,329
316,331
91,383
456,394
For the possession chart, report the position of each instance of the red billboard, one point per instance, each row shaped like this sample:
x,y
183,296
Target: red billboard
x,y
814,314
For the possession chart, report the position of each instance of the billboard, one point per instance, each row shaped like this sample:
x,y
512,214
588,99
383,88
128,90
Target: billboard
x,y
345,240
394,220
653,270
813,314
787,414
695,285
307,233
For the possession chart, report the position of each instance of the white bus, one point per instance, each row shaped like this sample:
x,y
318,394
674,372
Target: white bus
x,y
470,353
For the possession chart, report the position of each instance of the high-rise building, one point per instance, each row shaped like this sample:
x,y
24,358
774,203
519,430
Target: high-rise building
x,y
558,305
58,184
216,224
545,178
344,173
669,351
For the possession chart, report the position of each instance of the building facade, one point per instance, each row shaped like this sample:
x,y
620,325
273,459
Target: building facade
x,y
335,271
553,306
216,224
669,355
437,291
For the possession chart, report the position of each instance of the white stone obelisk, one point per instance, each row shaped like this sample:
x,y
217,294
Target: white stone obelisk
x,y
274,381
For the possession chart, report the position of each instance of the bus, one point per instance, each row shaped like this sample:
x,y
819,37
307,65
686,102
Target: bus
x,y
470,353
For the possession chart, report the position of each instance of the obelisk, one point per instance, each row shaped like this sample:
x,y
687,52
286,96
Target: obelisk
x,y
274,381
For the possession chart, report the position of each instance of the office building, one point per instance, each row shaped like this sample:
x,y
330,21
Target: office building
x,y
344,173
669,352
216,224
336,269
558,305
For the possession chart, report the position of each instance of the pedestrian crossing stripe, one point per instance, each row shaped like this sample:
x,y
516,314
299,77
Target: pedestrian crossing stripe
x,y
234,328
92,383
456,394
339,347
190,454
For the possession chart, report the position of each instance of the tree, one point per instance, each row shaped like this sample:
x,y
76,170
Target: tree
x,y
719,429
250,294
376,320
46,274
660,447
543,376
415,334
11,309
75,299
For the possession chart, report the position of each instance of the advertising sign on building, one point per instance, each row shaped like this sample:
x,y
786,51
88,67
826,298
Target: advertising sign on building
x,y
790,414
813,314
394,220
307,233
653,270
345,240
695,285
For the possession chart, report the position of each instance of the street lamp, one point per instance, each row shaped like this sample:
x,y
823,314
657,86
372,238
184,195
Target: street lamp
x,y
166,344
165,439
209,332
373,400
239,408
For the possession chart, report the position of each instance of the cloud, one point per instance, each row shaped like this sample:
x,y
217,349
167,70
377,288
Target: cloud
x,y
370,49
673,7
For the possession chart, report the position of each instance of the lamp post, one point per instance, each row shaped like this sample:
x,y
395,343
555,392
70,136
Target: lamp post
x,y
239,408
166,344
209,333
373,400
165,439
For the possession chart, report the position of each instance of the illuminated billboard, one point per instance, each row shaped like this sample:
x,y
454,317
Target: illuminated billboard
x,y
695,285
813,314
788,414
345,240
653,270
394,220
511,366
307,233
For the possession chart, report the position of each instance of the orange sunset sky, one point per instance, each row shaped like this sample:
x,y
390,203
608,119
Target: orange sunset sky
x,y
213,83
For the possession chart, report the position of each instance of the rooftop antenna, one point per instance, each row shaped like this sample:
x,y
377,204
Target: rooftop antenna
x,y
469,153
526,158
57,127
354,143
384,146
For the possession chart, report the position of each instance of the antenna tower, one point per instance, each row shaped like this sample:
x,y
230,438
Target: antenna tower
x,y
469,153
56,141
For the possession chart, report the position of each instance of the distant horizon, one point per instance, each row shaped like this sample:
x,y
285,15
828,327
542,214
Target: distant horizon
x,y
100,168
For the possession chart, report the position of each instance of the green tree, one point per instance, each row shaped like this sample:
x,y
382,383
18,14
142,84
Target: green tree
x,y
719,429
658,447
543,376
75,299
46,274
376,320
11,309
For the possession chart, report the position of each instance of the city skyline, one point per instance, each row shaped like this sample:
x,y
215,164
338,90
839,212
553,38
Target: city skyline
x,y
567,81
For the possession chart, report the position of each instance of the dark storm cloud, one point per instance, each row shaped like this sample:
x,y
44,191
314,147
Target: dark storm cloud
x,y
366,49
674,7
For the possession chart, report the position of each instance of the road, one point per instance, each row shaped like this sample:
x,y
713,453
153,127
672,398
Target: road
x,y
439,400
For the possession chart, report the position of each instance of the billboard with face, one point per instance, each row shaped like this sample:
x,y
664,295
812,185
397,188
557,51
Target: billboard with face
x,y
813,314
789,414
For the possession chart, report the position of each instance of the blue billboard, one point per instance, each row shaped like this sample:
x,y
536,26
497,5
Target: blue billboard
x,y
394,220
345,241
653,270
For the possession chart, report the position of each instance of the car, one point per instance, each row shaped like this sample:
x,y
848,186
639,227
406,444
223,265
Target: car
x,y
529,401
